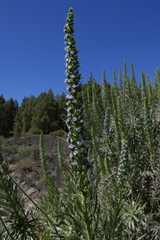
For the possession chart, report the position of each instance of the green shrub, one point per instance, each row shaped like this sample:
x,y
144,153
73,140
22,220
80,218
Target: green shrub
x,y
24,150
34,130
58,133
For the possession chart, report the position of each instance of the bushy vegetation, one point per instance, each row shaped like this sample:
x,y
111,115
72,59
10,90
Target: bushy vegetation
x,y
58,133
24,151
111,178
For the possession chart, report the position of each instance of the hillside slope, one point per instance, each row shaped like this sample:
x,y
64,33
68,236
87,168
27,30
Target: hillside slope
x,y
22,155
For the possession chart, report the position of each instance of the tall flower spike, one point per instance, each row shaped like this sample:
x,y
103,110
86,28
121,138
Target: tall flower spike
x,y
75,119
122,168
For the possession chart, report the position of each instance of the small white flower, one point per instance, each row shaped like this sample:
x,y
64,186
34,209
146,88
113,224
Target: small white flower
x,y
75,119
67,103
69,108
75,152
71,146
69,96
67,88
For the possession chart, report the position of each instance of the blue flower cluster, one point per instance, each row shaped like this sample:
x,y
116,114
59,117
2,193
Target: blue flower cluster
x,y
75,118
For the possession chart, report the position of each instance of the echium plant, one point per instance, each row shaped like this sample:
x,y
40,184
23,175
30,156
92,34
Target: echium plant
x,y
75,118
122,167
81,206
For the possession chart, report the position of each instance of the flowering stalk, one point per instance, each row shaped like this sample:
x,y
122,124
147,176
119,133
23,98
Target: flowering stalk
x,y
107,121
75,118
122,168
104,90
115,115
81,206
120,115
147,117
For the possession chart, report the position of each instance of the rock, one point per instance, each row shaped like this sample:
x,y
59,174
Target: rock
x,y
31,191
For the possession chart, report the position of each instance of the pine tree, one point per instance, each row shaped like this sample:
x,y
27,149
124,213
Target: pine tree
x,y
61,111
10,108
28,108
17,127
2,117
45,116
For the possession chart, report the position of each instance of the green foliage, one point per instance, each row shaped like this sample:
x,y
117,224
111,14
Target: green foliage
x,y
18,123
2,101
10,107
93,108
28,107
24,151
58,133
45,113
61,111
8,111
34,130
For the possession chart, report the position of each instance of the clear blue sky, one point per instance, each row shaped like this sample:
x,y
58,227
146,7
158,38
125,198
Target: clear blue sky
x,y
107,33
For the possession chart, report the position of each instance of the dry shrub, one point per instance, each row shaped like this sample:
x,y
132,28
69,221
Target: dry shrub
x,y
24,165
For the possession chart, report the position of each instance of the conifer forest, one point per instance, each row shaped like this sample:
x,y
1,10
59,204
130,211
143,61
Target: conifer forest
x,y
111,175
